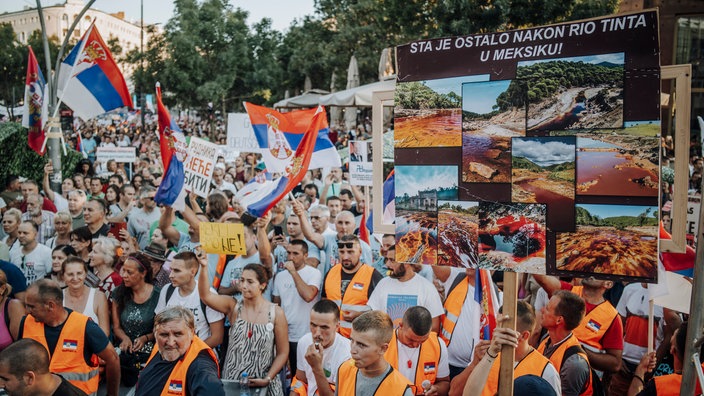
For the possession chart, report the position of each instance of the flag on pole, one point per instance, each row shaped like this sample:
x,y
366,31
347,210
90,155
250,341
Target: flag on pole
x,y
35,104
90,83
485,295
279,140
79,144
389,205
270,193
363,231
174,151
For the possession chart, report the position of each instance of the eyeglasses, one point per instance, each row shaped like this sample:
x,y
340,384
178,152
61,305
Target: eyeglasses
x,y
345,245
315,217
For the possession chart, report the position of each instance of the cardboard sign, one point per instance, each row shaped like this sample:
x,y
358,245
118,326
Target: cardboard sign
x,y
361,166
119,154
693,204
199,165
240,135
222,238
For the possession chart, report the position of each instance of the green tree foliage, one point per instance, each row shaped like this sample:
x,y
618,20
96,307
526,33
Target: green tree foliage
x,y
416,95
647,218
13,61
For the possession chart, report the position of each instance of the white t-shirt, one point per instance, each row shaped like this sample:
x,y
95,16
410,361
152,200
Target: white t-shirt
x,y
191,302
35,265
333,357
296,309
395,297
406,353
466,334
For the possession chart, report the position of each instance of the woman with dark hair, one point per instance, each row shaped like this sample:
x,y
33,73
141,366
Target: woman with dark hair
x,y
58,256
137,181
133,305
259,333
216,205
80,297
112,194
13,308
85,168
82,243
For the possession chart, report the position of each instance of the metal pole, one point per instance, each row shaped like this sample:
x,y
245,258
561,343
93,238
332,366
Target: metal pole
x,y
696,317
141,63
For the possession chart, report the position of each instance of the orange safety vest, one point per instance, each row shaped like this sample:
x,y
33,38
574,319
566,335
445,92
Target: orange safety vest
x,y
67,358
558,357
300,388
176,383
356,294
428,360
533,363
453,306
393,384
594,324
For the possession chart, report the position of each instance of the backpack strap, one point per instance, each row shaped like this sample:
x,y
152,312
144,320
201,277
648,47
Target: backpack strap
x,y
170,292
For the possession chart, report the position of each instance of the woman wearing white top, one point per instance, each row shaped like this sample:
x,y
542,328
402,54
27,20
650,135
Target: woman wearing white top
x,y
81,298
62,226
10,224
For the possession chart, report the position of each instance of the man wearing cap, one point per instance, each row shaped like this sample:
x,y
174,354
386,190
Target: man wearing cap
x,y
157,256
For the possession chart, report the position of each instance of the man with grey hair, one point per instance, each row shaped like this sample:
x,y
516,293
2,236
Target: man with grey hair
x,y
43,219
181,363
141,219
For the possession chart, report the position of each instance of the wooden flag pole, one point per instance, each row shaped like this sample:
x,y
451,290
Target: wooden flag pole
x,y
651,324
508,352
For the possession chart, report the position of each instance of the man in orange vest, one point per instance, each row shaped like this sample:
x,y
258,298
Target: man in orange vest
x,y
73,340
560,317
368,373
24,370
601,330
664,385
350,283
181,363
419,354
484,379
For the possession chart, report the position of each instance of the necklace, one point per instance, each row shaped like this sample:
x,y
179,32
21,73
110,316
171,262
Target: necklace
x,y
408,357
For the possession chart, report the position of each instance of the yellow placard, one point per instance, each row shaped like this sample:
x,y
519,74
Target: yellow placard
x,y
222,238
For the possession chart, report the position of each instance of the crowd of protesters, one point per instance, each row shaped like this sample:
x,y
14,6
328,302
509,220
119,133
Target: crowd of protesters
x,y
310,308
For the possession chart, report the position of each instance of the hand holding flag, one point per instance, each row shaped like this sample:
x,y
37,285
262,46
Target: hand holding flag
x,y
174,151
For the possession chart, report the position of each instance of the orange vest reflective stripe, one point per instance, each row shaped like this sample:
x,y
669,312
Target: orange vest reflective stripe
x,y
453,306
219,270
298,387
558,356
594,324
428,360
176,383
393,384
356,294
533,363
67,358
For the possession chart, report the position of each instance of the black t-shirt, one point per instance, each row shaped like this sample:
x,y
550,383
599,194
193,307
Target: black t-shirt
x,y
96,341
102,231
201,377
66,389
346,278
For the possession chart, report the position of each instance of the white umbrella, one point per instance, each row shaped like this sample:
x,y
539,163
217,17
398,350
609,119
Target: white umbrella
x,y
352,82
307,99
334,112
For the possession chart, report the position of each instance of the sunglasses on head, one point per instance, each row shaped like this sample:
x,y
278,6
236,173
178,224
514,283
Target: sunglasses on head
x,y
345,245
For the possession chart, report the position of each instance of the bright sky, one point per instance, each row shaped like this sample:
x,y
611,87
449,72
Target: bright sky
x,y
281,12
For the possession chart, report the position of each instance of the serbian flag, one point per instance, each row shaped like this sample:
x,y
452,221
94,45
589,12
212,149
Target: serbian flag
x,y
280,134
79,144
363,230
174,151
35,104
388,203
90,83
270,193
485,296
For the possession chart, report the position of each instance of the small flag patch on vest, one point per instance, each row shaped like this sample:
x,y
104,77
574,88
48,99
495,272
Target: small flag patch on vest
x,y
358,286
428,367
593,325
176,386
70,345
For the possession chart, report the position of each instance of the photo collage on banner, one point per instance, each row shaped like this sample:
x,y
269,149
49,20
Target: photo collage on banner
x,y
534,150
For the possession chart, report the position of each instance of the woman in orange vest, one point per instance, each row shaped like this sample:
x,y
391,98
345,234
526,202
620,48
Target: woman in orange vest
x,y
664,385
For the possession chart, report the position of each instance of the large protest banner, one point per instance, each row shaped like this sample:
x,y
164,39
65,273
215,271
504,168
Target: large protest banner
x,y
199,165
533,150
240,135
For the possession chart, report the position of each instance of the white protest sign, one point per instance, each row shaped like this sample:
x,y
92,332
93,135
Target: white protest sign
x,y
693,204
361,166
119,154
199,165
240,135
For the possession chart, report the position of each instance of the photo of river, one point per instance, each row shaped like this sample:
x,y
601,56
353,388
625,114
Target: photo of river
x,y
457,233
621,165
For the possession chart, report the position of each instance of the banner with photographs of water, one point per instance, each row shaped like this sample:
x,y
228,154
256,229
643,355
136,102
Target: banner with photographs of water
x,y
543,135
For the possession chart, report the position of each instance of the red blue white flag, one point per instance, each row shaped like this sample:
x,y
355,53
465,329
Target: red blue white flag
x,y
485,296
35,104
270,193
279,140
174,151
90,83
